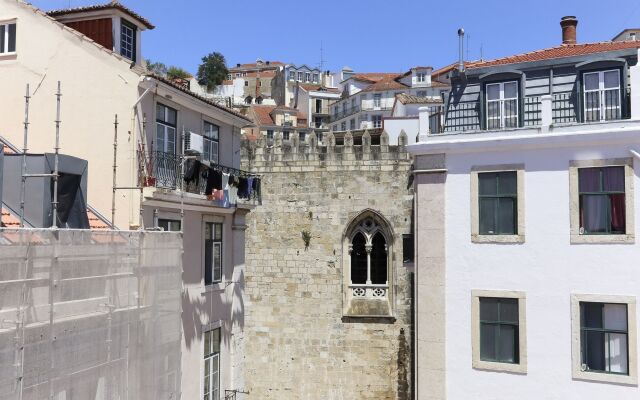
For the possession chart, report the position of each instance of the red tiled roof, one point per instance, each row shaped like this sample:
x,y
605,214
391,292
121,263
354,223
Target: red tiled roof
x,y
95,222
7,149
309,87
405,98
9,220
385,84
263,114
562,51
272,65
99,7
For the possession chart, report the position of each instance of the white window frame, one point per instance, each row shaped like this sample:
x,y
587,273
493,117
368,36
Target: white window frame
x,y
213,358
307,77
376,121
6,25
215,243
377,100
602,107
501,105
316,78
162,122
300,76
421,77
210,143
576,364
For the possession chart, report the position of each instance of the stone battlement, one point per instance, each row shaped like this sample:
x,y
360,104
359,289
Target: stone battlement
x,y
312,154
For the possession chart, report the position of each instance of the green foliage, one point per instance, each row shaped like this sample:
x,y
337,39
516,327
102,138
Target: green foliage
x,y
157,68
212,71
306,238
177,73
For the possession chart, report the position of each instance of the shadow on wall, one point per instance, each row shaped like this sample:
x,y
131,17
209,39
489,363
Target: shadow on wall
x,y
212,306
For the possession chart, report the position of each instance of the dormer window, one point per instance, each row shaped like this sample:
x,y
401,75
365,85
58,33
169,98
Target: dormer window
x,y
300,76
502,105
421,77
128,40
7,38
602,96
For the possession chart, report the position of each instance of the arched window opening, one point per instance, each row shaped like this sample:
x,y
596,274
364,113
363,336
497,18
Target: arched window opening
x,y
259,100
248,100
378,260
359,259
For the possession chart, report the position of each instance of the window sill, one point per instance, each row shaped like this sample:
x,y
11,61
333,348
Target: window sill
x,y
520,368
603,377
8,56
477,238
603,239
214,287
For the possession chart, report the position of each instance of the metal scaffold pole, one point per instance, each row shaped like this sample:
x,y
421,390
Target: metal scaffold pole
x,y
54,203
24,156
115,165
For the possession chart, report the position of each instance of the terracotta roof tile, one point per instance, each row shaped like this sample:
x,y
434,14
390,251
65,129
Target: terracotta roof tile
x,y
263,114
387,83
7,149
309,87
405,98
567,50
98,7
375,76
95,222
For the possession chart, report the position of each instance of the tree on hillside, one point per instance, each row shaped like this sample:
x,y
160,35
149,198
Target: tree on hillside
x,y
212,71
177,73
157,68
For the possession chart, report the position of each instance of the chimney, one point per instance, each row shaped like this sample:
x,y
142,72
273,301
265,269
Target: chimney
x,y
238,65
569,24
461,50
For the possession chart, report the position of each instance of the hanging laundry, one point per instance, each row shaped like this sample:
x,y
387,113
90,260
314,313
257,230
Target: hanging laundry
x,y
225,188
191,170
214,181
233,195
243,188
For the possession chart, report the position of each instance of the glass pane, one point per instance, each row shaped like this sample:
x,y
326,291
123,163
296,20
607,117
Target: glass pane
x,y
378,260
487,216
591,81
511,90
613,179
214,152
506,216
488,309
171,116
206,384
2,33
207,230
591,315
593,213
207,343
509,310
208,261
358,259
493,91
617,213
615,317
160,112
507,183
589,180
207,366
218,232
215,344
217,261
160,143
12,38
611,79
488,335
507,344
488,183
616,353
594,350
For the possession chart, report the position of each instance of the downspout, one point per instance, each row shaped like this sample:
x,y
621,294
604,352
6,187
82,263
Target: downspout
x,y
132,138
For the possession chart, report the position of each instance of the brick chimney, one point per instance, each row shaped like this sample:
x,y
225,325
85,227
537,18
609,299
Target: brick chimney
x,y
569,24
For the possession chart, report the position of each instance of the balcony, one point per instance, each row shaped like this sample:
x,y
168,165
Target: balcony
x,y
164,172
377,108
567,108
344,113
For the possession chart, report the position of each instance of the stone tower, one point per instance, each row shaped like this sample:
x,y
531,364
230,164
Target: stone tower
x,y
328,296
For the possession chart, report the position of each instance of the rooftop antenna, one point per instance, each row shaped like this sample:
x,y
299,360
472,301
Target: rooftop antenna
x,y
481,55
321,57
468,41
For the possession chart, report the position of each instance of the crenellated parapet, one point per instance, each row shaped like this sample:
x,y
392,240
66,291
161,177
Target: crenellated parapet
x,y
323,150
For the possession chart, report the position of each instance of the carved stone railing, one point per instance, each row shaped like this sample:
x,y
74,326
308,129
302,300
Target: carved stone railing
x,y
369,291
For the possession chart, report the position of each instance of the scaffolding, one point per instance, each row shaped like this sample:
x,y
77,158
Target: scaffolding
x,y
90,315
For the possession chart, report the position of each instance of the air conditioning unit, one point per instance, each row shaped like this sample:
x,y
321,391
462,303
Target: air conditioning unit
x,y
192,143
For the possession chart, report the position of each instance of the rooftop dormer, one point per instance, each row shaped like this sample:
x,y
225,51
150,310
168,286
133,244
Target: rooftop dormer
x,y
421,76
112,25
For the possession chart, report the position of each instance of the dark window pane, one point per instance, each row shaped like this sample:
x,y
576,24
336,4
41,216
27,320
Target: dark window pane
x,y
508,344
507,183
2,33
488,309
613,179
208,261
358,260
487,183
591,315
378,260
594,350
593,213
407,248
488,338
487,223
509,310
12,38
589,180
506,216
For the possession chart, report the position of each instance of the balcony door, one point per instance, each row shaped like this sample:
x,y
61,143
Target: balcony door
x,y
165,161
502,105
602,96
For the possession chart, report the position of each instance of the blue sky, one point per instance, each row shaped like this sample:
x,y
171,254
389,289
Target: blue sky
x,y
367,35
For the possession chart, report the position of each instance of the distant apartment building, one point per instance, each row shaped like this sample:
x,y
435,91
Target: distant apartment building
x,y
276,123
255,79
314,102
368,98
289,76
526,210
627,34
181,148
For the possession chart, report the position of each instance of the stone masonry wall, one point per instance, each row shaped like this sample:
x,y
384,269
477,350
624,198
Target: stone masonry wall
x,y
297,343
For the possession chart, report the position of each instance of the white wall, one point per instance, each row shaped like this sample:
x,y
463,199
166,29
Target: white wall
x,y
393,126
546,267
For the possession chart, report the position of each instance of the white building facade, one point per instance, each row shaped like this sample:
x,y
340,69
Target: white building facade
x,y
526,251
